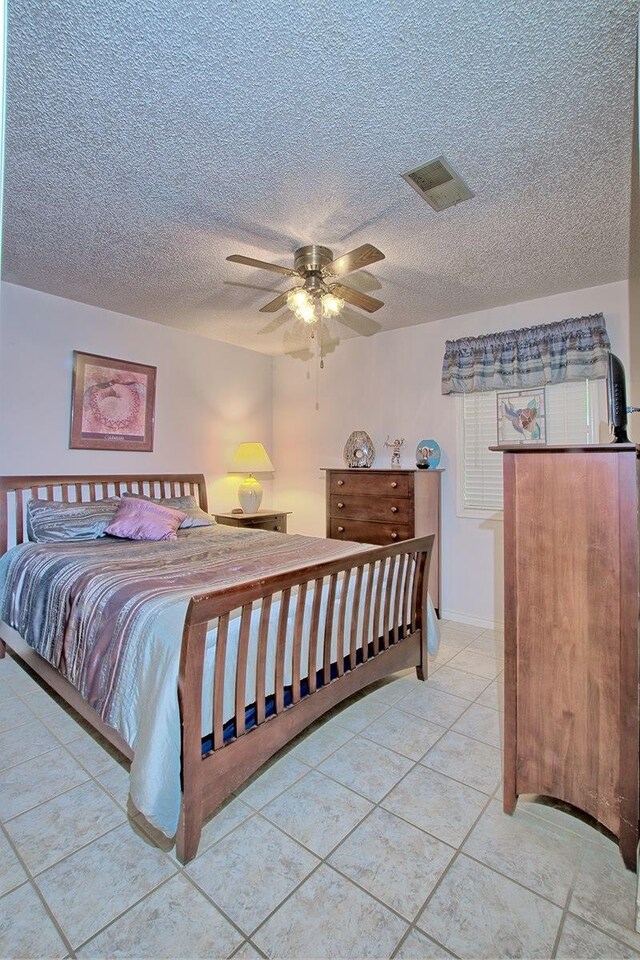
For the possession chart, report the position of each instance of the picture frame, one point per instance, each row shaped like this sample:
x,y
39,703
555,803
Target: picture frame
x,y
521,416
112,404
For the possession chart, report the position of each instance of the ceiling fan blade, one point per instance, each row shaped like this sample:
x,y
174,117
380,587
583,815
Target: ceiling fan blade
x,y
262,265
355,260
355,297
274,305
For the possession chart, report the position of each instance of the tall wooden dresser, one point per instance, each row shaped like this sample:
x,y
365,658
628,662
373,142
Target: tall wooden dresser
x,y
383,506
571,631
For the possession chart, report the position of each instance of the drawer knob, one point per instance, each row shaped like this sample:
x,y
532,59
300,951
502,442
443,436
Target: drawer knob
x,y
394,509
340,529
394,484
394,536
340,505
341,483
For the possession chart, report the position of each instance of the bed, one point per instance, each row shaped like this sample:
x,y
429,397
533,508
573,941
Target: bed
x,y
199,660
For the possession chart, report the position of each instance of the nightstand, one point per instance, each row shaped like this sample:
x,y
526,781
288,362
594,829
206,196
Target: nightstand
x,y
262,520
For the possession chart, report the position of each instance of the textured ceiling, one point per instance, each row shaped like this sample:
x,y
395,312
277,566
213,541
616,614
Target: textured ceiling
x,y
149,139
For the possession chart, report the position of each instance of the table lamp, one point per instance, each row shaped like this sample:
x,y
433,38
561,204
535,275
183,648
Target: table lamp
x,y
250,458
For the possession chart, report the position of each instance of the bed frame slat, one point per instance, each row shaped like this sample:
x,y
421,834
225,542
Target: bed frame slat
x,y
297,642
241,668
406,600
342,613
367,612
218,683
414,595
263,633
375,633
328,628
313,634
19,517
355,613
397,598
388,590
281,648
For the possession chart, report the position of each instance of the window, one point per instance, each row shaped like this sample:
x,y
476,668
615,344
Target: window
x,y
572,417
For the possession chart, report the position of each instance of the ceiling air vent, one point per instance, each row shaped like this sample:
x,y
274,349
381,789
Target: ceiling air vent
x,y
439,184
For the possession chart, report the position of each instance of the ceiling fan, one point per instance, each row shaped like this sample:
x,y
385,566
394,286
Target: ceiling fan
x,y
318,296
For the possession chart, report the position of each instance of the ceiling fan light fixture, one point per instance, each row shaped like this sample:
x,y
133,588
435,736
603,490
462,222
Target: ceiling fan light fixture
x,y
308,312
331,305
298,298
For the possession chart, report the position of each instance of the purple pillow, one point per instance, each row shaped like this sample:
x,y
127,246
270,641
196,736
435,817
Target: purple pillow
x,y
195,516
145,520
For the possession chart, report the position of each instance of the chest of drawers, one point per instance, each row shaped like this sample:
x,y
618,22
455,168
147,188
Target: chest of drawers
x,y
571,705
384,506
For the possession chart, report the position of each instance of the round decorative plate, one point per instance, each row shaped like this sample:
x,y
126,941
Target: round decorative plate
x,y
428,454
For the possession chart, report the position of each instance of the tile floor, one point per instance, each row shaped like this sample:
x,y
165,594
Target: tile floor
x,y
379,833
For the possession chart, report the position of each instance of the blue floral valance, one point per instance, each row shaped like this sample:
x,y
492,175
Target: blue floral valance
x,y
549,353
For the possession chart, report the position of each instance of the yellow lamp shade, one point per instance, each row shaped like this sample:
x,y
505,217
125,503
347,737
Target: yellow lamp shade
x,y
250,458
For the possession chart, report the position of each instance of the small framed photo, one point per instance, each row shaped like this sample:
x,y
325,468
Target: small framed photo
x,y
112,404
522,416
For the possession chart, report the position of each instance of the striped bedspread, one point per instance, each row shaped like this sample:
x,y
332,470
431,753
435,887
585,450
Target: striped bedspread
x,y
108,615
83,606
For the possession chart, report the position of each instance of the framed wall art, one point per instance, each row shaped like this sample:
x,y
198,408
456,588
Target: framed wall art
x,y
112,404
522,416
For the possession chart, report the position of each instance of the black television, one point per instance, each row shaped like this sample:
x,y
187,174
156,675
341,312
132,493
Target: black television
x,y
617,399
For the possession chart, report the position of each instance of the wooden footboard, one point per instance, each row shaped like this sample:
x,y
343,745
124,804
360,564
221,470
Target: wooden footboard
x,y
378,627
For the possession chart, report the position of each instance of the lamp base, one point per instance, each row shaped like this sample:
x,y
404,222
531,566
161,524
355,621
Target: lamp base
x,y
250,494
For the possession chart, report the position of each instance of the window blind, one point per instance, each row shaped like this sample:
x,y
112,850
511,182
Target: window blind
x,y
482,477
571,410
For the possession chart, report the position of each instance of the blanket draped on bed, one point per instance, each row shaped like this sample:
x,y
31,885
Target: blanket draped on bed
x,y
109,614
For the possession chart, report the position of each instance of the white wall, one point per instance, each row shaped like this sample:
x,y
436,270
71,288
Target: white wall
x,y
633,370
3,68
210,396
390,384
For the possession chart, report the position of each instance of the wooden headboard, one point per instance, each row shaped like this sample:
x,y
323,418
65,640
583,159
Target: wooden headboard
x,y
16,491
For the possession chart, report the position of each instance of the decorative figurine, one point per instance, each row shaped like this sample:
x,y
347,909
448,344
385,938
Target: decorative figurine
x,y
395,445
359,450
